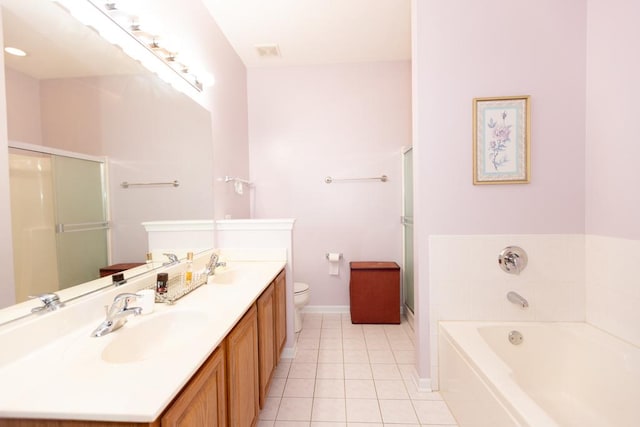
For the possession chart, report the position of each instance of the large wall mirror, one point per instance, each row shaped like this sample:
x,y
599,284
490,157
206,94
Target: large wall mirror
x,y
75,92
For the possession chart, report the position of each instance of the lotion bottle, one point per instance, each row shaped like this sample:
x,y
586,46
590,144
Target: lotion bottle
x,y
188,275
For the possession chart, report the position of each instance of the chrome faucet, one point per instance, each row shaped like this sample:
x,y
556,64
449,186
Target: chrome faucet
x,y
210,269
173,259
518,299
51,303
117,314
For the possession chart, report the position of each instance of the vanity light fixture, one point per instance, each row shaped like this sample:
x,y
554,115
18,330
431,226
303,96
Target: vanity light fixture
x,y
15,51
150,41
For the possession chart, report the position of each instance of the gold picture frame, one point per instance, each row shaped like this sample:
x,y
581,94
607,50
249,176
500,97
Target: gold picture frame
x,y
502,140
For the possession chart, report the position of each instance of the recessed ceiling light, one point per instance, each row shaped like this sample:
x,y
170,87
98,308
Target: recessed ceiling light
x,y
15,51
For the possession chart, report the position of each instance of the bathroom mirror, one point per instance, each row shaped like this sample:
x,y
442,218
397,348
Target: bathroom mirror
x,y
74,91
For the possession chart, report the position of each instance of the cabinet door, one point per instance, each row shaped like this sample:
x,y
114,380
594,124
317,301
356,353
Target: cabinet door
x,y
242,364
203,400
266,340
281,313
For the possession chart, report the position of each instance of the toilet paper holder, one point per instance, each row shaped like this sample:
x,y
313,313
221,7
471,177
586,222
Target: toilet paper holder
x,y
327,255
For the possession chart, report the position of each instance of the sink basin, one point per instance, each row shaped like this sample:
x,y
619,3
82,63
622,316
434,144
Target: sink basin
x,y
153,336
231,276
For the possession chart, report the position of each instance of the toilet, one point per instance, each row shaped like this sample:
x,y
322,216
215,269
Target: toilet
x,y
300,299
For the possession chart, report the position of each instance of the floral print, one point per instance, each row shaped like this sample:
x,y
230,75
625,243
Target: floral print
x,y
500,137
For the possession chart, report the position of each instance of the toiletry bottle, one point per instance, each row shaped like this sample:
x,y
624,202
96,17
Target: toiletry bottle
x,y
149,260
162,283
188,274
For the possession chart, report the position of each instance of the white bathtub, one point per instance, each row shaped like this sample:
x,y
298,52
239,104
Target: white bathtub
x,y
562,374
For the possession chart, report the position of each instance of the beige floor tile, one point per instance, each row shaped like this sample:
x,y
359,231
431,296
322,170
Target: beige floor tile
x,y
358,375
401,345
291,424
299,387
303,370
397,411
377,344
391,389
282,370
383,371
265,423
355,371
311,323
354,344
406,371
330,356
329,388
331,324
331,316
295,409
381,356
331,333
328,410
363,410
309,333
277,387
404,356
330,370
308,343
433,412
270,409
415,394
360,389
306,356
356,356
330,343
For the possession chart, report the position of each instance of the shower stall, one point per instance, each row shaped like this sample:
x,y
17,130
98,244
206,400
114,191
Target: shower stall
x,y
59,220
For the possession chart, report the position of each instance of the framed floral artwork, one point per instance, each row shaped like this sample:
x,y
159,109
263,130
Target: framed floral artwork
x,y
501,140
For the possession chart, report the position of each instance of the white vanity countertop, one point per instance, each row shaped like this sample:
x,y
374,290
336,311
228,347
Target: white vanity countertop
x,y
69,379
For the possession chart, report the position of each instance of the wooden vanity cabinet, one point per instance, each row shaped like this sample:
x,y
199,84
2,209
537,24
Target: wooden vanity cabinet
x,y
242,376
281,312
266,339
203,401
231,385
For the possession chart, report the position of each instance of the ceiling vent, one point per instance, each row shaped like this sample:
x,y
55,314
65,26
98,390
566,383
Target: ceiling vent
x,y
268,50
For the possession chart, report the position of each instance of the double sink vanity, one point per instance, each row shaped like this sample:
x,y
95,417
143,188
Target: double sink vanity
x,y
206,360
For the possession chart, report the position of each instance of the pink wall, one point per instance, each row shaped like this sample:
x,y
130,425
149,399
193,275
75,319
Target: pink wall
x,y
465,49
23,95
613,86
151,133
340,120
194,26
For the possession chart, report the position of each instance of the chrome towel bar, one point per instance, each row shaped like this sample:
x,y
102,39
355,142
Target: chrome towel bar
x,y
126,184
382,178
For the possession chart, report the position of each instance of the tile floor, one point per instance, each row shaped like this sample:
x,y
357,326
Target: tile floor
x,y
350,375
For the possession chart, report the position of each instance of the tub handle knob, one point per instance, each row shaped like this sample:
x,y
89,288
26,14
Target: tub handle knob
x,y
512,259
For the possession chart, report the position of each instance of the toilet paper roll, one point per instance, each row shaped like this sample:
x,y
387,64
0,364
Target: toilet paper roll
x,y
334,263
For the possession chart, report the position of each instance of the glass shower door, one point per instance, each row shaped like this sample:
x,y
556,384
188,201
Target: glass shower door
x,y
407,222
81,219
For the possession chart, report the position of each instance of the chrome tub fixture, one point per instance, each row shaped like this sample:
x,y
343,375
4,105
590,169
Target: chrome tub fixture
x,y
513,259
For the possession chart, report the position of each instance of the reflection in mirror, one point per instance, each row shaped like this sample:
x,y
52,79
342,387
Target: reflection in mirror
x,y
59,225
76,92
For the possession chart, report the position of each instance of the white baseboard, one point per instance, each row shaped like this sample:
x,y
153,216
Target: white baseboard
x,y
422,384
326,309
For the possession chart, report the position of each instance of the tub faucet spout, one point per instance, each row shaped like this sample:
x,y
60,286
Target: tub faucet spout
x,y
518,299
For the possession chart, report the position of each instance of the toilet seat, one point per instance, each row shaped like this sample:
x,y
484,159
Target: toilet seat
x,y
300,288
